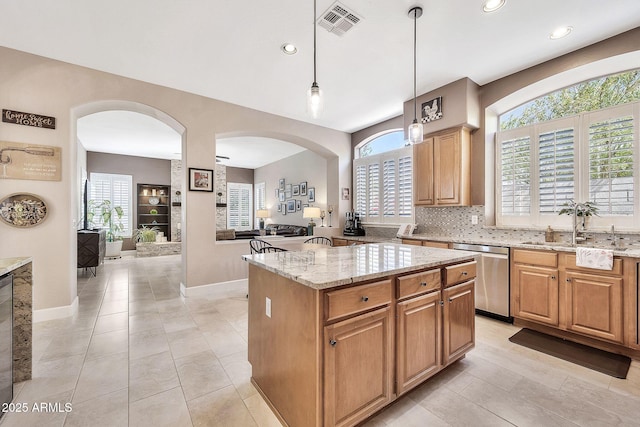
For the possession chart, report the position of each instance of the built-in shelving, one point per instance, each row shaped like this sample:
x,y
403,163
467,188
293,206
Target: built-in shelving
x,y
148,193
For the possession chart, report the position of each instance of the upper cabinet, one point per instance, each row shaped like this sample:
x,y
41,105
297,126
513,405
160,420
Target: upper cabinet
x,y
442,172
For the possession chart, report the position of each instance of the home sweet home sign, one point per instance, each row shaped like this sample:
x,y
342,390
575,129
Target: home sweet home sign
x,y
28,119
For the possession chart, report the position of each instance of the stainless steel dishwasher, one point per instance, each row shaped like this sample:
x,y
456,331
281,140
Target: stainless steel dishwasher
x,y
492,280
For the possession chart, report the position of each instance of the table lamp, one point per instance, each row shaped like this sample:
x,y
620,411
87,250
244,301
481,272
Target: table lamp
x,y
311,212
262,214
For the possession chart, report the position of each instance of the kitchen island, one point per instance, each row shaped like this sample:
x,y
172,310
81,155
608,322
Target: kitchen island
x,y
336,334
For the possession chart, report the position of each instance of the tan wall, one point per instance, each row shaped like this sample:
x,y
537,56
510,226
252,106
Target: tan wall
x,y
34,84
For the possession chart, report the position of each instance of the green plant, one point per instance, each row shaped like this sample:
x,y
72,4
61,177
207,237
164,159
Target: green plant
x,y
145,234
111,217
585,209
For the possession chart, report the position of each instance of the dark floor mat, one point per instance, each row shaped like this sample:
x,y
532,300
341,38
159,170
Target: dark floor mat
x,y
611,364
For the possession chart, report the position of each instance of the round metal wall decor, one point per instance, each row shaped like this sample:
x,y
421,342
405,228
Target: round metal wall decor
x,y
23,210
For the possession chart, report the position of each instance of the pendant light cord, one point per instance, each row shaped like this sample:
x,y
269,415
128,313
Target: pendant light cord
x,y
314,42
415,22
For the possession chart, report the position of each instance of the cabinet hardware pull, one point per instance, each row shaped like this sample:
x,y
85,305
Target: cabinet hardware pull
x,y
365,299
333,342
423,283
568,279
442,303
464,273
553,277
450,299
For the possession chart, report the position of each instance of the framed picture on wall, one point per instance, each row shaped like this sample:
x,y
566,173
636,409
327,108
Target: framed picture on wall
x,y
281,184
311,192
277,193
298,205
345,193
200,179
291,206
287,194
279,208
295,190
303,188
281,195
283,209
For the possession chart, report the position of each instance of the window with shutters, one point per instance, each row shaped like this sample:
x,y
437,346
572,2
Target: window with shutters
x,y
590,156
383,187
239,206
119,190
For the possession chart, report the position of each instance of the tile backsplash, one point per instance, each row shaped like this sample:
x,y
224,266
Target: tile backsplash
x,y
455,222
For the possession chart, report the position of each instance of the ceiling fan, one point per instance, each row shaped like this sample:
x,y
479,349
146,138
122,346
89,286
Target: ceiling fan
x,y
219,159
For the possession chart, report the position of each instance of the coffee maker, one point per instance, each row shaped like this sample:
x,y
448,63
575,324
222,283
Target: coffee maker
x,y
353,225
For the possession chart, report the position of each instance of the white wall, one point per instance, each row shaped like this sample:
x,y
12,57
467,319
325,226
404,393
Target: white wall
x,y
305,166
35,84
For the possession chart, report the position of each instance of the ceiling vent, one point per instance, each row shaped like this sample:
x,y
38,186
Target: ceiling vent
x,y
338,19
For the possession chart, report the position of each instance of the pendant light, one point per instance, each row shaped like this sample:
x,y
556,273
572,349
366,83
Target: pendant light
x,y
415,130
314,94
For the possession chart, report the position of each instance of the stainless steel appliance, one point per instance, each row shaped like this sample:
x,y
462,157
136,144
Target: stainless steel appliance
x,y
353,225
492,280
6,341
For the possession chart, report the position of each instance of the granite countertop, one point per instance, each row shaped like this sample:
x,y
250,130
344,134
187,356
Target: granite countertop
x,y
7,265
328,267
630,250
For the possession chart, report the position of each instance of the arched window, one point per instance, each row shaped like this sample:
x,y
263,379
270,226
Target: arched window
x,y
577,144
381,143
383,179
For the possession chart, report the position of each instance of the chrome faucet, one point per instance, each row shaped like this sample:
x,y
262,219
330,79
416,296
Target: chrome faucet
x,y
614,238
575,238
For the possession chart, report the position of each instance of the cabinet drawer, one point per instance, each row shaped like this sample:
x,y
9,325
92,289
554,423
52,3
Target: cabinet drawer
x,y
418,283
545,259
459,273
411,242
345,302
570,261
432,244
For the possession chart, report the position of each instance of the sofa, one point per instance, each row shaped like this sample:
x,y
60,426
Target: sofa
x,y
285,230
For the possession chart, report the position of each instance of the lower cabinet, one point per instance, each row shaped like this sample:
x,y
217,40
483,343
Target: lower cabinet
x,y
535,293
594,305
419,340
458,321
358,367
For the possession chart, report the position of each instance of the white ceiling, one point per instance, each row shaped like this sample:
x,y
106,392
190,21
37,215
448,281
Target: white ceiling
x,y
231,51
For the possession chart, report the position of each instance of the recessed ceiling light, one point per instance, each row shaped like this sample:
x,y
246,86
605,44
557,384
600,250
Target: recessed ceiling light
x,y
493,5
560,32
289,48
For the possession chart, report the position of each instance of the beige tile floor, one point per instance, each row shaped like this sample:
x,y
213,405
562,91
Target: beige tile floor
x,y
138,354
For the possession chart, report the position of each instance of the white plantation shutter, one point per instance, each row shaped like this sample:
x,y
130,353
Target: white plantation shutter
x,y
384,186
555,169
516,176
389,187
611,154
119,190
373,190
239,206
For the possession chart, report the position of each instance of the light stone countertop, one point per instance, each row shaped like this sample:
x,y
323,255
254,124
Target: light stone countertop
x,y
630,250
7,265
328,267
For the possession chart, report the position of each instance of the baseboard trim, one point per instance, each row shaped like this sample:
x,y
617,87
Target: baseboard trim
x,y
220,286
45,314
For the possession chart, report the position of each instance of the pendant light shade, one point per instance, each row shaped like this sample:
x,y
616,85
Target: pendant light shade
x,y
416,130
314,94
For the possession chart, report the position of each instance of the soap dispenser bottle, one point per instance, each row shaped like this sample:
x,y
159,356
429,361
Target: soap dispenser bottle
x,y
548,235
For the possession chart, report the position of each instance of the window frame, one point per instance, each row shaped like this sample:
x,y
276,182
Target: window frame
x,y
128,215
241,186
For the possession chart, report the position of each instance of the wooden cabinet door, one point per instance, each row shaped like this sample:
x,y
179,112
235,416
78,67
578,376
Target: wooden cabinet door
x,y
419,340
358,367
459,321
447,167
594,305
423,173
535,293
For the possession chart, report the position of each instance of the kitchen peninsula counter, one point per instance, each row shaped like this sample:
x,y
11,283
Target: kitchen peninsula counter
x,y
333,331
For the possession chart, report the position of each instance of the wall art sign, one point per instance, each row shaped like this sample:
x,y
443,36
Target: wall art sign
x,y
30,161
23,210
28,119
432,110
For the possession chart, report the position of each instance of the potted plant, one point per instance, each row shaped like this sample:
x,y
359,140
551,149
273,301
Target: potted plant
x,y
111,217
584,211
145,234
